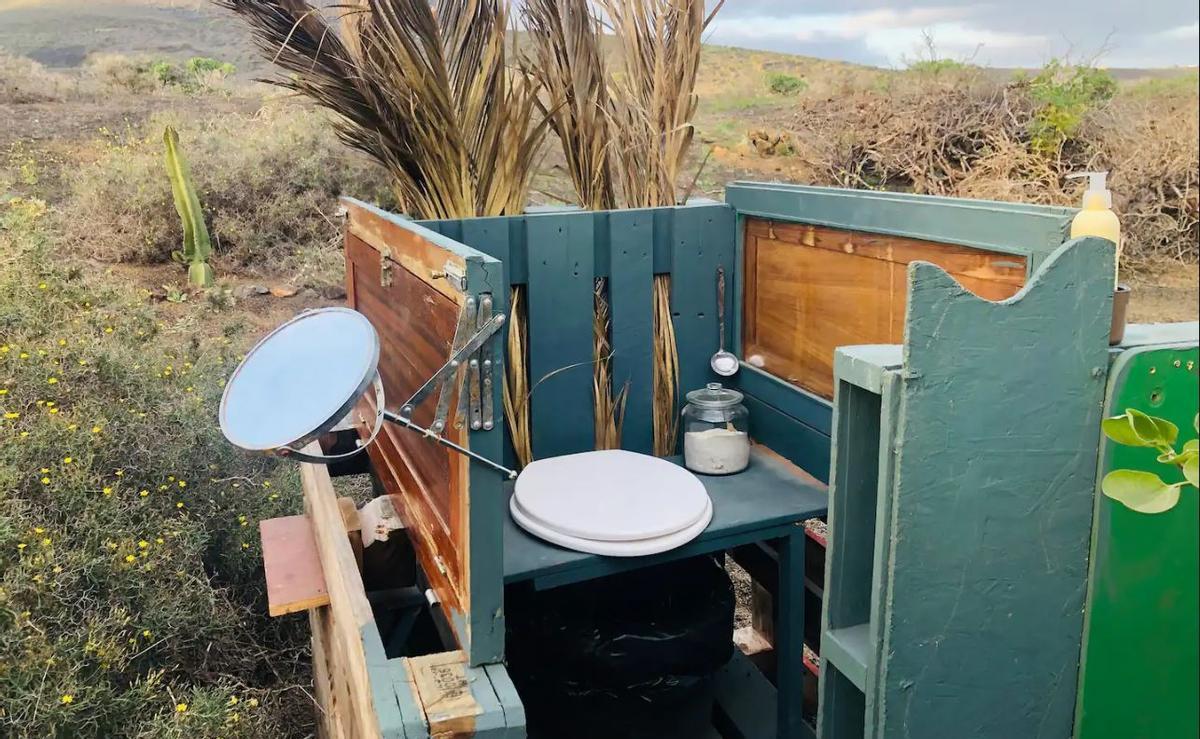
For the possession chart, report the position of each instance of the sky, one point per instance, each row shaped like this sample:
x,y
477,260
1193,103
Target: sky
x,y
1004,33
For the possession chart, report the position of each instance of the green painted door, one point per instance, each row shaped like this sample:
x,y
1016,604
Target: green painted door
x,y
1140,673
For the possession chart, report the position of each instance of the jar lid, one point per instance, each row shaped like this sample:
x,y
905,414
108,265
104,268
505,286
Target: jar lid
x,y
714,396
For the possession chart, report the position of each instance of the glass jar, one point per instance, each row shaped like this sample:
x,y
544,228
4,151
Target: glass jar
x,y
716,431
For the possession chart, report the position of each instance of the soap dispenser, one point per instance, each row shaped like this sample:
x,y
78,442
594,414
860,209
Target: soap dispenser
x,y
1096,218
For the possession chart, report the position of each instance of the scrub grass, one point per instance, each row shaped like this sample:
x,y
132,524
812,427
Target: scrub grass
x,y
132,600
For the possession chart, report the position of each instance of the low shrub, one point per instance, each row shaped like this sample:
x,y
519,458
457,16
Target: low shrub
x,y
23,81
1065,94
782,83
131,592
269,184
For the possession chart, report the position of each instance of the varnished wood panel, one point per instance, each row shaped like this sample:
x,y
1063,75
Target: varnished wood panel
x,y
810,289
416,320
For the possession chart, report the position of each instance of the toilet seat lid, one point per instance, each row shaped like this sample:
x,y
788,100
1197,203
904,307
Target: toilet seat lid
x,y
636,548
611,495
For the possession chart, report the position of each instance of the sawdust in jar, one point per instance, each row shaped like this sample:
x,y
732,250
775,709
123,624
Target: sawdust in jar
x,y
716,451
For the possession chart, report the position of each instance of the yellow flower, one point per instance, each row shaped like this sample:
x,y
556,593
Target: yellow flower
x,y
253,702
146,633
180,707
45,480
72,426
52,381
143,544
66,460
24,434
53,411
62,342
143,493
38,530
67,699
107,491
3,391
179,504
57,569
158,540
120,472
108,329
96,429
12,416
266,483
41,286
24,355
21,547
130,558
183,483
46,542
233,701
44,470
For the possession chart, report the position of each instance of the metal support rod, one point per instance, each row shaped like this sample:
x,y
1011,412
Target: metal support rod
x,y
401,420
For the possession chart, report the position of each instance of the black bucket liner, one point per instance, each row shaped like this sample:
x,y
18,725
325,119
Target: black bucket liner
x,y
628,656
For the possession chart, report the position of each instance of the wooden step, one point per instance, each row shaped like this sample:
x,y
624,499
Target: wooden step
x,y
295,579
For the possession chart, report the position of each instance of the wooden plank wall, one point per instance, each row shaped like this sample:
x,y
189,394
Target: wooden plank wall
x,y
810,289
557,256
450,506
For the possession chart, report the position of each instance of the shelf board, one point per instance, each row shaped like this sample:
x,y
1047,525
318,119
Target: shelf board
x,y
847,649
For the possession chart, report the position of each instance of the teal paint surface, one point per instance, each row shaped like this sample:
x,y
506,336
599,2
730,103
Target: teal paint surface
x,y
1140,673
510,701
560,293
631,310
412,716
485,620
996,451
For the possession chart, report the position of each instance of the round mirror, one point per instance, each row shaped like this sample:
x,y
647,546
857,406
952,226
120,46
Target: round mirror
x,y
300,380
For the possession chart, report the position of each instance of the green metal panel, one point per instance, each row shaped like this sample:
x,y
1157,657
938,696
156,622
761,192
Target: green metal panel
x,y
1140,673
631,305
561,275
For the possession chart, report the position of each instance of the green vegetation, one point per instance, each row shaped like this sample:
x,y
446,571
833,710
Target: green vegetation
x,y
782,83
936,67
269,182
1146,492
1182,85
131,591
1065,94
196,244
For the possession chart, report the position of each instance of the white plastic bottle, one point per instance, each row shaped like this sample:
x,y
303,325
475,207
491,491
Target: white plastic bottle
x,y
1097,218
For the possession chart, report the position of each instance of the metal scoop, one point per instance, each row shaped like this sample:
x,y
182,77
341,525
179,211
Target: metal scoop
x,y
723,363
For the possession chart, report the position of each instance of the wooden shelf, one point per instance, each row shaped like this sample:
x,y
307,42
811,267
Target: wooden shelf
x,y
292,566
848,649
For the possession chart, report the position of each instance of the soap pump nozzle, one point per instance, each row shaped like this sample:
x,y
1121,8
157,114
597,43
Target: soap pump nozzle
x,y
1097,194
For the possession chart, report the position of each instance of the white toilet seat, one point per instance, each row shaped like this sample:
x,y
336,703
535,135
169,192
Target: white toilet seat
x,y
610,496
634,548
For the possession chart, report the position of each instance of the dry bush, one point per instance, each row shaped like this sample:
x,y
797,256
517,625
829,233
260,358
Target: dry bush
x,y
25,81
969,136
269,184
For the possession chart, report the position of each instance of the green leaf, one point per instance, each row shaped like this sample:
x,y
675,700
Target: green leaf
x,y
1154,431
196,243
1191,446
1120,430
1144,492
1190,468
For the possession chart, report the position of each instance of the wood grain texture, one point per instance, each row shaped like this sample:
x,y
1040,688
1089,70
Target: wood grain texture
x,y
291,566
445,693
416,325
347,648
809,289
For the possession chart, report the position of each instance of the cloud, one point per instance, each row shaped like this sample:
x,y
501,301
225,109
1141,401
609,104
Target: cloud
x,y
1012,33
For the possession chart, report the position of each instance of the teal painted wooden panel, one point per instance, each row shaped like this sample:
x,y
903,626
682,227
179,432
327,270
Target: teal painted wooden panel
x,y
701,242
561,274
802,445
1140,641
996,453
631,303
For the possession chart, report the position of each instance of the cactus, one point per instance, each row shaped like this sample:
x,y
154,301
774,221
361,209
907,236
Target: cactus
x,y
196,244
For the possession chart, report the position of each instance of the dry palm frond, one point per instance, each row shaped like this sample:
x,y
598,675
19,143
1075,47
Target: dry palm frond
x,y
651,108
425,90
516,380
568,64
